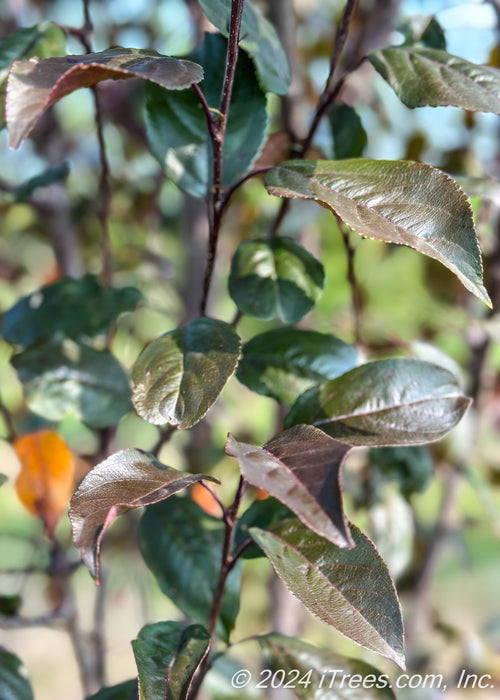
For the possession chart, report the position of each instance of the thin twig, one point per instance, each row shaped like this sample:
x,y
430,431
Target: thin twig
x,y
216,203
97,635
331,89
231,190
104,179
209,114
228,561
104,192
329,94
351,277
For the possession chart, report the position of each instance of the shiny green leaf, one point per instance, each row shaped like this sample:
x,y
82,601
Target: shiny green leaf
x,y
421,76
177,128
61,377
178,376
14,683
322,674
182,546
386,402
349,589
128,479
36,85
301,468
349,136
73,307
275,279
168,655
284,362
258,38
393,201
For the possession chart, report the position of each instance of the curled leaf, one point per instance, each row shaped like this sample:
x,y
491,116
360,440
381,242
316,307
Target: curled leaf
x,y
35,85
128,479
301,468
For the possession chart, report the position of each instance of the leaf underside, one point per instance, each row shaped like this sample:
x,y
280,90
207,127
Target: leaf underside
x,y
128,479
301,468
35,85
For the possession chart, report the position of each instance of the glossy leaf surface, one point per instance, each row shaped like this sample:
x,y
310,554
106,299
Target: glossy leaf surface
x,y
349,589
178,376
177,128
34,86
277,279
322,674
167,656
182,546
128,479
393,201
45,482
73,307
422,76
349,136
43,40
14,683
285,362
123,691
386,402
61,377
258,38
301,468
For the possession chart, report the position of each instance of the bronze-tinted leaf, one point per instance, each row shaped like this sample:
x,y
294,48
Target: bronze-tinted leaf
x,y
35,85
301,468
128,479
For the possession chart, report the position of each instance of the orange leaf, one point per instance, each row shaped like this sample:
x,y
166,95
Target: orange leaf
x,y
205,500
45,483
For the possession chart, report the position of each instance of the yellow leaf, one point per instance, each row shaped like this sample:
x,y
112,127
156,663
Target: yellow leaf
x,y
45,483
